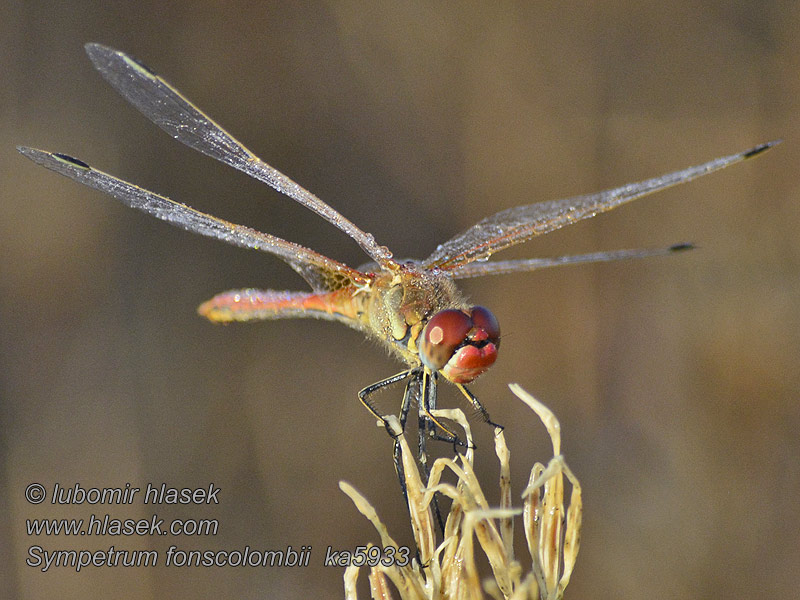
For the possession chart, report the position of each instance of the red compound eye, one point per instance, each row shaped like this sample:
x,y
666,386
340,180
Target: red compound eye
x,y
458,345
484,319
445,331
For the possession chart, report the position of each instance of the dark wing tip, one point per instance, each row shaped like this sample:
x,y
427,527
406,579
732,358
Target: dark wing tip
x,y
681,247
42,157
759,149
71,159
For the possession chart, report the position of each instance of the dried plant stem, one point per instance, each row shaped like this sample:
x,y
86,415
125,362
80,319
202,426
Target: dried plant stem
x,y
449,570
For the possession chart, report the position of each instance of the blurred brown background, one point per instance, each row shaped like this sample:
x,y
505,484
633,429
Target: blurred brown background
x,y
676,380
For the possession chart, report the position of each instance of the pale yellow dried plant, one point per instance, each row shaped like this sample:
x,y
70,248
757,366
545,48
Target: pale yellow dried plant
x,y
448,570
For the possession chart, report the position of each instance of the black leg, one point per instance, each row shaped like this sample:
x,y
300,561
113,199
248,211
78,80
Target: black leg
x,y
422,385
425,424
427,427
478,406
412,391
428,424
364,394
409,396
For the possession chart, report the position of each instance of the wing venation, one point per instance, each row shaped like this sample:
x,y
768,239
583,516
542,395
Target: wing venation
x,y
171,111
321,272
519,224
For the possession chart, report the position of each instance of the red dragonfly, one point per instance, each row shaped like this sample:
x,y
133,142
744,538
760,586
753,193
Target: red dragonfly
x,y
412,307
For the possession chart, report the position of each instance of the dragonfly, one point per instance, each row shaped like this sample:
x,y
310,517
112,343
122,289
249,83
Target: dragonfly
x,y
413,308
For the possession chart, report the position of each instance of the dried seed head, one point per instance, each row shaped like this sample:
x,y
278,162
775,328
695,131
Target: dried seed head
x,y
450,569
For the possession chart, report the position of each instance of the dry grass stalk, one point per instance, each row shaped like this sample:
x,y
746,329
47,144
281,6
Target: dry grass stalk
x,y
450,570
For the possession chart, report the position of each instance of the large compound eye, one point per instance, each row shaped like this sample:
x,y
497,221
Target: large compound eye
x,y
445,331
458,345
484,319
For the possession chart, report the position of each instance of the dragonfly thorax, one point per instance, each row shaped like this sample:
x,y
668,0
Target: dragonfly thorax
x,y
425,320
402,302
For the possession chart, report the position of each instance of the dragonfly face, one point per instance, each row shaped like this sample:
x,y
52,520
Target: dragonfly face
x,y
460,344
414,309
427,322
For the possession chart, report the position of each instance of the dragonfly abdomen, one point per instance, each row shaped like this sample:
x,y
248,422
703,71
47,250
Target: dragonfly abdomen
x,y
258,305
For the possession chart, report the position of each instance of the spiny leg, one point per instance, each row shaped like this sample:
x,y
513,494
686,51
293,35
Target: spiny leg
x,y
370,389
427,426
428,423
423,387
414,387
412,391
408,397
478,406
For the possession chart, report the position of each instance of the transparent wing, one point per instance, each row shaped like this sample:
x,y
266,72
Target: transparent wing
x,y
166,107
322,273
519,224
502,267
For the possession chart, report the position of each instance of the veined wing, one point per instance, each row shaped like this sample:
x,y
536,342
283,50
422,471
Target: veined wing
x,y
166,107
519,224
322,273
503,267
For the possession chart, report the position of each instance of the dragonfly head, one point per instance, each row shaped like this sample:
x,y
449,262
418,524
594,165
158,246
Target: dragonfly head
x,y
460,344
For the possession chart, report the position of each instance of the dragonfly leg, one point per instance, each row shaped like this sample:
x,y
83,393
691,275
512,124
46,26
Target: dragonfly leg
x,y
412,390
422,386
364,394
428,423
427,428
478,406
